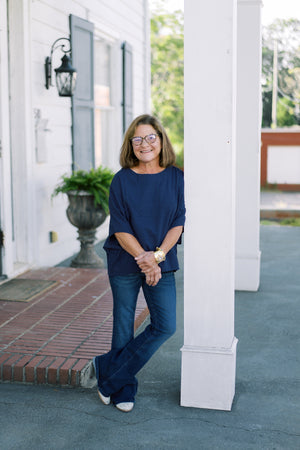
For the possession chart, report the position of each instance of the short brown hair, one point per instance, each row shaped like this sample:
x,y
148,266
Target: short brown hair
x,y
127,157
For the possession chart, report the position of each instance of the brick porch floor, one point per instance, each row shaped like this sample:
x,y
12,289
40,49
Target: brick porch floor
x,y
51,338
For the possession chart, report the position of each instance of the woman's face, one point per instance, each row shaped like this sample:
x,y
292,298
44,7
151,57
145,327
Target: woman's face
x,y
148,151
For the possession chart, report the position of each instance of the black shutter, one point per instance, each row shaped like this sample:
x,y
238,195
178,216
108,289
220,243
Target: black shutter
x,y
82,42
127,101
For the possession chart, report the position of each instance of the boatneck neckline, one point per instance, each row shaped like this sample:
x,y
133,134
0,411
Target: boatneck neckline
x,y
156,173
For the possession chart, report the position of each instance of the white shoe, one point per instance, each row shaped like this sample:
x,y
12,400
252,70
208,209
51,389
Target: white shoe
x,y
125,406
104,400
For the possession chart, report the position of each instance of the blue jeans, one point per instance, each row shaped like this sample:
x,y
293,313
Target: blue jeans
x,y
116,369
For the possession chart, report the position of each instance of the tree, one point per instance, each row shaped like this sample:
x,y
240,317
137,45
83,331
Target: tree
x,y
287,35
286,113
167,74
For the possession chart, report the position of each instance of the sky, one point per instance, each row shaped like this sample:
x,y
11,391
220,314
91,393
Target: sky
x,y
282,9
272,9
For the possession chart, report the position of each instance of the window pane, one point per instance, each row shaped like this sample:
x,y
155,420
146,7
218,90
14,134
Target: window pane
x,y
102,127
102,89
102,73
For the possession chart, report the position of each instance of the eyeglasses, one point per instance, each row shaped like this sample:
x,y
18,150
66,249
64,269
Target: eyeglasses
x,y
150,139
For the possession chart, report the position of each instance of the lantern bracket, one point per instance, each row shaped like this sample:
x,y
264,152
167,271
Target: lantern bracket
x,y
65,46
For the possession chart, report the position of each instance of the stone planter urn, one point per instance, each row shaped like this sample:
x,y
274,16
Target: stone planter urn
x,y
83,214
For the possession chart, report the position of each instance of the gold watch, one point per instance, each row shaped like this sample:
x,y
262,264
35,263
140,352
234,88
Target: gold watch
x,y
159,255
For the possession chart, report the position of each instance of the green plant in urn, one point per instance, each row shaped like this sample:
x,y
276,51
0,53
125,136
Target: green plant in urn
x,y
88,193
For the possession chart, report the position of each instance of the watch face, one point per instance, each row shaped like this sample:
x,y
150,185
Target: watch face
x,y
159,256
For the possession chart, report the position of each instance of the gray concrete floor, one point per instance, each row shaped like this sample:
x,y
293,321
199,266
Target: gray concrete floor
x,y
266,408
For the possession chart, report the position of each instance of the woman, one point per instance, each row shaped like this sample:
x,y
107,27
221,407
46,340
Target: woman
x,y
147,215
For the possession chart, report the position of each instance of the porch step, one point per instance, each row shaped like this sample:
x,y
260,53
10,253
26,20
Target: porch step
x,y
52,338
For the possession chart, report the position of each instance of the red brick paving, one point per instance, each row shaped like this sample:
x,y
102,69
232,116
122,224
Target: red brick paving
x,y
51,338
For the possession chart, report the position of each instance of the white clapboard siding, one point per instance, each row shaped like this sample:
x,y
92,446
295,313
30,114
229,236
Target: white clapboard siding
x,y
117,20
45,21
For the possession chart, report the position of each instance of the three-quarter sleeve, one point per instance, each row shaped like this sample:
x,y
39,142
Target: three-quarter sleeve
x,y
179,217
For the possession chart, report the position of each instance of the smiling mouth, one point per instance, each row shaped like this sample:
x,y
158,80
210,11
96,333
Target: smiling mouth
x,y
146,151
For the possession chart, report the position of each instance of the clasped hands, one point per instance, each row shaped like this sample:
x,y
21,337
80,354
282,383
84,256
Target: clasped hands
x,y
149,267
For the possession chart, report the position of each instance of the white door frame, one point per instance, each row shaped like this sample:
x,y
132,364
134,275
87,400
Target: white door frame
x,y
5,159
17,194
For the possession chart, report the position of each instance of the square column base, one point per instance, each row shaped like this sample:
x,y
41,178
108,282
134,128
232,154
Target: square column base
x,y
247,272
208,377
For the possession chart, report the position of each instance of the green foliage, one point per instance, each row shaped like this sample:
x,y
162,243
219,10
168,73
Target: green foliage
x,y
95,181
180,159
286,113
287,35
268,222
289,221
167,74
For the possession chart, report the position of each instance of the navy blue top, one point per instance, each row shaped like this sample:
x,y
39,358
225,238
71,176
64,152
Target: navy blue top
x,y
146,206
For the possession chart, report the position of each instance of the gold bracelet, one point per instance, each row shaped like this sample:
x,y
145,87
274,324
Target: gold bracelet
x,y
159,255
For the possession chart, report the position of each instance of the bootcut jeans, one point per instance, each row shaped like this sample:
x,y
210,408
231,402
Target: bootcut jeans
x,y
116,370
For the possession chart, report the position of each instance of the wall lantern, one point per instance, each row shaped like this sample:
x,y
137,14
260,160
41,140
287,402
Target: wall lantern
x,y
65,74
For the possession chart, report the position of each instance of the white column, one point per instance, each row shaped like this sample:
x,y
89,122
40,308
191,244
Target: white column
x,y
248,144
209,351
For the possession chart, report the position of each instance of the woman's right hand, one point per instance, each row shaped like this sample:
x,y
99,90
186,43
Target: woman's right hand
x,y
153,276
149,267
